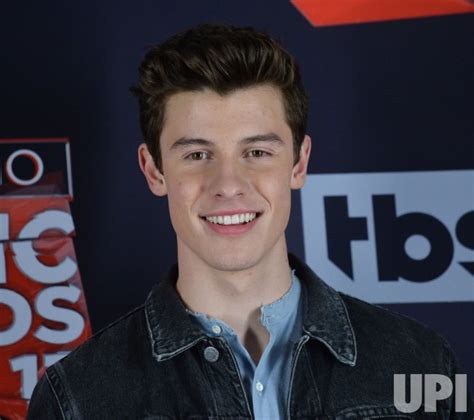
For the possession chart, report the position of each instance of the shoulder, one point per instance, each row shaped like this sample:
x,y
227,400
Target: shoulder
x,y
396,338
106,360
116,341
383,320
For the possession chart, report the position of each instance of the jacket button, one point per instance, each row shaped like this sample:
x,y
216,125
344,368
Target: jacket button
x,y
216,329
211,354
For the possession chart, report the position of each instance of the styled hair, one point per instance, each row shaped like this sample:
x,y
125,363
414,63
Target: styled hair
x,y
222,58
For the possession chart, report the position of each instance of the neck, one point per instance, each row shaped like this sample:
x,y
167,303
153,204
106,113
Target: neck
x,y
235,296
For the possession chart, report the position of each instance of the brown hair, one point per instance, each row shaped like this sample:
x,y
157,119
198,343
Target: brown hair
x,y
222,58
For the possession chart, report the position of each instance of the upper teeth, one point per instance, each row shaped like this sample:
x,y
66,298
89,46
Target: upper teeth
x,y
235,219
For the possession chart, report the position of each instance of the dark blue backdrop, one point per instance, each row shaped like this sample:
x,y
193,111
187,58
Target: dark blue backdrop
x,y
393,96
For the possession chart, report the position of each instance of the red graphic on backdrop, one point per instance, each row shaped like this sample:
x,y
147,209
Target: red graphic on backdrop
x,y
13,409
43,313
327,12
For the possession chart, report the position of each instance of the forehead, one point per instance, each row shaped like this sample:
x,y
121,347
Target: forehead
x,y
241,113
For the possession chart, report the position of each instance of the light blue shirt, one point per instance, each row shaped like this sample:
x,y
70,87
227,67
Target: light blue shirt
x,y
266,384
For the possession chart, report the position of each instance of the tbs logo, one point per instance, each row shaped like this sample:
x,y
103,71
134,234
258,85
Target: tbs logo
x,y
392,237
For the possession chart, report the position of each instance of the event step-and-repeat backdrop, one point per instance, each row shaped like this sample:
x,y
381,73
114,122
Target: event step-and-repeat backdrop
x,y
386,215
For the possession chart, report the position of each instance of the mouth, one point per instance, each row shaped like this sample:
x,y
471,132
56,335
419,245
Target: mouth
x,y
232,224
232,219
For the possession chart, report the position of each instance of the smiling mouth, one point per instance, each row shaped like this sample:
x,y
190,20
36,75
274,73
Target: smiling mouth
x,y
229,220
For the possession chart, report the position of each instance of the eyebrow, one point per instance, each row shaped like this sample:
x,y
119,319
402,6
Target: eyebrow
x,y
183,142
268,137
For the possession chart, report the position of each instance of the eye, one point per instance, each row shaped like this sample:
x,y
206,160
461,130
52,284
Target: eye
x,y
197,156
257,153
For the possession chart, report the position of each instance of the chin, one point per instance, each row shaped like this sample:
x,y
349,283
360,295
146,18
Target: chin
x,y
232,261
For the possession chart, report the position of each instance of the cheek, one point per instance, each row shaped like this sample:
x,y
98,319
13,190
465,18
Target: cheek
x,y
284,204
181,197
276,189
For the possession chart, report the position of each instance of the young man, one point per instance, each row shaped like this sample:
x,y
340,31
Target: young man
x,y
238,329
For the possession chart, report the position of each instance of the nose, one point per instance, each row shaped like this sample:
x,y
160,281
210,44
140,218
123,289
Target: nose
x,y
228,180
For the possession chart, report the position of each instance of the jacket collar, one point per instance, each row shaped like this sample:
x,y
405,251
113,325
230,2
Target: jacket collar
x,y
325,315
325,318
171,329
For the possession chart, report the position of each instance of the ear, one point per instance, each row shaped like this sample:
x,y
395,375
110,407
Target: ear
x,y
298,174
155,179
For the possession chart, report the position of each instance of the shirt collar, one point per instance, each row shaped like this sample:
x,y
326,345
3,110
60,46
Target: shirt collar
x,y
172,330
278,310
271,314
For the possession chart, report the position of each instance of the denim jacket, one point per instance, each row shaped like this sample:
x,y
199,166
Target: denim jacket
x,y
154,363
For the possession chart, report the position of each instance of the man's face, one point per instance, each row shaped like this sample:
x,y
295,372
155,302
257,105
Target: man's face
x,y
228,173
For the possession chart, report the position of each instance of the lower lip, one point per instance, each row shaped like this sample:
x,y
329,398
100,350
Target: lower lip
x,y
231,229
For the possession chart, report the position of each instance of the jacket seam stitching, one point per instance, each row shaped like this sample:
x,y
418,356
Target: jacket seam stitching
x,y
210,374
354,340
150,332
55,394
